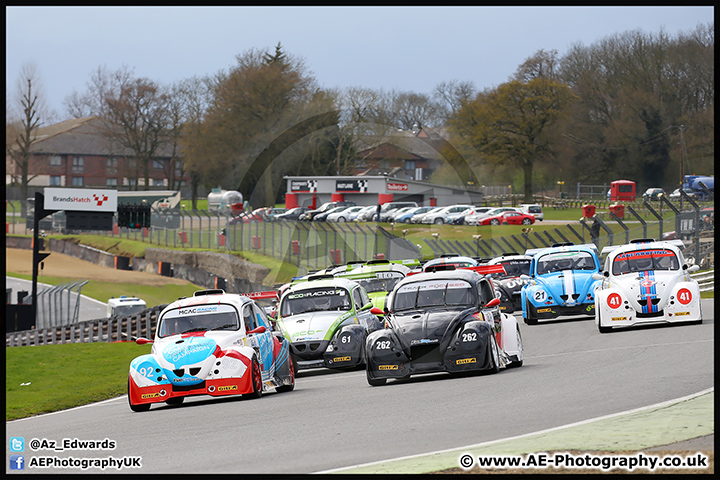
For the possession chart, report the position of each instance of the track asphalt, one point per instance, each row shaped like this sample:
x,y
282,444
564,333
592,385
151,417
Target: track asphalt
x,y
643,429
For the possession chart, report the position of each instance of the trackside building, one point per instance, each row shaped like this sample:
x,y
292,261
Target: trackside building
x,y
371,190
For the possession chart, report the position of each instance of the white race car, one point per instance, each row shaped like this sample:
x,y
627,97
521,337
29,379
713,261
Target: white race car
x,y
213,343
646,282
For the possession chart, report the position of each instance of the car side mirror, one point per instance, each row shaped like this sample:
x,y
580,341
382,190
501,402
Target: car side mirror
x,y
692,269
598,276
377,311
260,329
142,341
492,303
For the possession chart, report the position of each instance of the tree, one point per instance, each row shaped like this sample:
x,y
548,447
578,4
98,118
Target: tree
x,y
515,124
21,130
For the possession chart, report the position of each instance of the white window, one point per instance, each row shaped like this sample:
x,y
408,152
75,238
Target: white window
x,y
78,165
55,160
111,182
55,181
77,181
157,164
112,166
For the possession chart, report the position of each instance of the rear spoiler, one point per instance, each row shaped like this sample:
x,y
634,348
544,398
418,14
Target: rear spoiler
x,y
261,295
487,269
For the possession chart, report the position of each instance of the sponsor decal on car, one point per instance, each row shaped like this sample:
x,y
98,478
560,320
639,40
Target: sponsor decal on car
x,y
544,310
341,359
227,388
463,361
619,319
387,367
678,314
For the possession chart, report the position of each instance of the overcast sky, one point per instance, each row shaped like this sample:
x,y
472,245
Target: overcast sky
x,y
401,48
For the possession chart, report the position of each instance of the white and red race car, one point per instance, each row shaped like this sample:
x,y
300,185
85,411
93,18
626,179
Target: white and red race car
x,y
213,343
646,282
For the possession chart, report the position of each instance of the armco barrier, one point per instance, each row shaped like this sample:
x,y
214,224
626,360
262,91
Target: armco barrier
x,y
114,329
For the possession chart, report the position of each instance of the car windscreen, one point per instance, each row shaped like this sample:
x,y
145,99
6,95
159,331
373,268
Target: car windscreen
x,y
198,318
644,260
128,309
381,282
315,300
433,293
560,261
515,268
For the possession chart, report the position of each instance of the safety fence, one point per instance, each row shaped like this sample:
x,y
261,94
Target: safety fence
x,y
113,329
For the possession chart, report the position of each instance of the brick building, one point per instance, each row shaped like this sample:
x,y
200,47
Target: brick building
x,y
76,153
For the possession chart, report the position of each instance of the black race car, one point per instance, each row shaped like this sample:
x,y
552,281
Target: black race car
x,y
508,284
444,320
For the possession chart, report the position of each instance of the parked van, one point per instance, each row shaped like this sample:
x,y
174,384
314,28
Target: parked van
x,y
125,306
532,209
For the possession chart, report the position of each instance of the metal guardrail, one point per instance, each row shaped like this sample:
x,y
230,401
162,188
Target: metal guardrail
x,y
706,279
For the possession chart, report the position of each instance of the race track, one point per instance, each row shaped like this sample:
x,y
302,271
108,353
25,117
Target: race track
x,y
335,419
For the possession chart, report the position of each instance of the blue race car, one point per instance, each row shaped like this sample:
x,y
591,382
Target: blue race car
x,y
561,282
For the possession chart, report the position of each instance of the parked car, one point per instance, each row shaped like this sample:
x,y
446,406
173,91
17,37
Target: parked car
x,y
322,216
323,208
418,217
508,218
442,215
532,209
292,214
561,282
442,321
212,343
272,213
407,215
345,215
366,214
653,194
326,320
646,282
390,207
391,216
474,217
257,215
675,195
458,218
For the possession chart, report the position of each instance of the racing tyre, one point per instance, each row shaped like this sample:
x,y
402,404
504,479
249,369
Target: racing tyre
x,y
375,382
529,318
517,363
291,387
143,407
256,380
602,329
494,356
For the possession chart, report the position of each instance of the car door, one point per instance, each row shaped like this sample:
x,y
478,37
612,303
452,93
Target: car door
x,y
365,317
253,317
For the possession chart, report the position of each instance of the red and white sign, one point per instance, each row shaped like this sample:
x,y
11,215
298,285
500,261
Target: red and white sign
x,y
397,187
614,300
84,199
684,296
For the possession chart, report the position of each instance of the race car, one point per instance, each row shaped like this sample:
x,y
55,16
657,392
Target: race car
x,y
444,320
379,277
326,320
646,282
212,343
510,281
454,259
561,282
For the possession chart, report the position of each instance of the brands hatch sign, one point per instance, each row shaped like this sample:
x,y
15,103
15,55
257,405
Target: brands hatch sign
x,y
81,199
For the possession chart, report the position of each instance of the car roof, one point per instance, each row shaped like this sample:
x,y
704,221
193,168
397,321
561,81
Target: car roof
x,y
584,247
614,250
320,283
456,274
204,297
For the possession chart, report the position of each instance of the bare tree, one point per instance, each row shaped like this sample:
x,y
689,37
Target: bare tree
x,y
21,128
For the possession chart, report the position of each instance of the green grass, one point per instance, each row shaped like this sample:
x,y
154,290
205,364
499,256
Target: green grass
x,y
48,378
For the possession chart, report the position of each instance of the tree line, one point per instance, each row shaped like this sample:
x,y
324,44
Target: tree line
x,y
630,106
